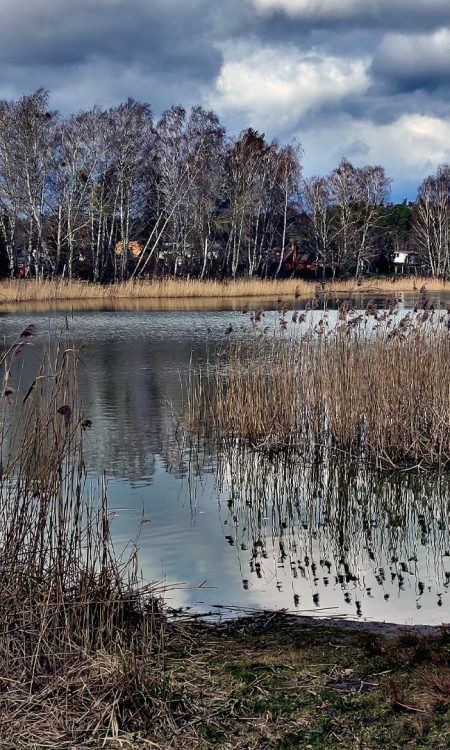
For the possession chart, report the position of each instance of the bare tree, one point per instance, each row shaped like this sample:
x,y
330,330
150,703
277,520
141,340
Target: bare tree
x,y
342,182
205,136
130,141
288,175
318,204
357,195
74,190
26,156
257,180
431,225
372,189
10,188
185,149
79,165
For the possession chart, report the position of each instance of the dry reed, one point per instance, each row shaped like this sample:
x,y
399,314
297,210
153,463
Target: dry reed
x,y
23,291
378,389
80,637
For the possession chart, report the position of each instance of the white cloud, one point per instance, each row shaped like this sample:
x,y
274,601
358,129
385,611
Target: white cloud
x,y
410,147
276,88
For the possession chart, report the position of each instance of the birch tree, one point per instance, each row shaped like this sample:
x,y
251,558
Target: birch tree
x,y
130,142
318,204
10,188
357,195
27,145
288,175
250,180
185,150
431,225
372,188
78,170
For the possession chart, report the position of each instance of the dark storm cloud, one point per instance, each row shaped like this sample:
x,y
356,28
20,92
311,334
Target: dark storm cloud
x,y
166,43
173,47
67,33
288,67
368,14
410,62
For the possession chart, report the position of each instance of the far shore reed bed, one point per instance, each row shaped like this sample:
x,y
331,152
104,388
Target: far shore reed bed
x,y
375,386
30,290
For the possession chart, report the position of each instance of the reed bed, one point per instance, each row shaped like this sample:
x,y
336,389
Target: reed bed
x,y
29,290
81,638
388,284
375,386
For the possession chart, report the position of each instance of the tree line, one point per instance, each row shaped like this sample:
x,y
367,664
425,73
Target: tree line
x,y
110,194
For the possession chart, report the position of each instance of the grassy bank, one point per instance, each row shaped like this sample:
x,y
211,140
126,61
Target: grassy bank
x,y
271,683
261,682
53,291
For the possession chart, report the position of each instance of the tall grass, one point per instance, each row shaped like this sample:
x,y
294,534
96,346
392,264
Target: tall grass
x,y
13,291
378,389
80,638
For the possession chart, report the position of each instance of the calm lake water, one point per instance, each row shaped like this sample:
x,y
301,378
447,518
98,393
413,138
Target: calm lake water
x,y
253,532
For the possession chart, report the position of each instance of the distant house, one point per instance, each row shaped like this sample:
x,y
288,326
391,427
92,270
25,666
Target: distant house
x,y
407,262
294,262
134,248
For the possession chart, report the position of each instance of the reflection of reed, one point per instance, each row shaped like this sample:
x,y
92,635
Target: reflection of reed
x,y
129,304
338,526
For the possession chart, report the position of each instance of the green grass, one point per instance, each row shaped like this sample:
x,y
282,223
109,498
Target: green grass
x,y
296,686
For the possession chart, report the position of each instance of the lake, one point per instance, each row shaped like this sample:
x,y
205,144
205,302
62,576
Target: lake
x,y
239,531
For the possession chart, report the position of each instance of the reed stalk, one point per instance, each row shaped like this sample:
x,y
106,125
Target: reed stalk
x,y
80,635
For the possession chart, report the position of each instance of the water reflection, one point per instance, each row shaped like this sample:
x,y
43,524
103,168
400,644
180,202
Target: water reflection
x,y
338,534
176,304
261,533
130,370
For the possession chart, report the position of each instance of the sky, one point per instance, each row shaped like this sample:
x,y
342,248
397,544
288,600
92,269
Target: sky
x,y
368,80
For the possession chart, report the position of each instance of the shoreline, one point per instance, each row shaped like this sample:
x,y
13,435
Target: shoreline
x,y
251,621
29,290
